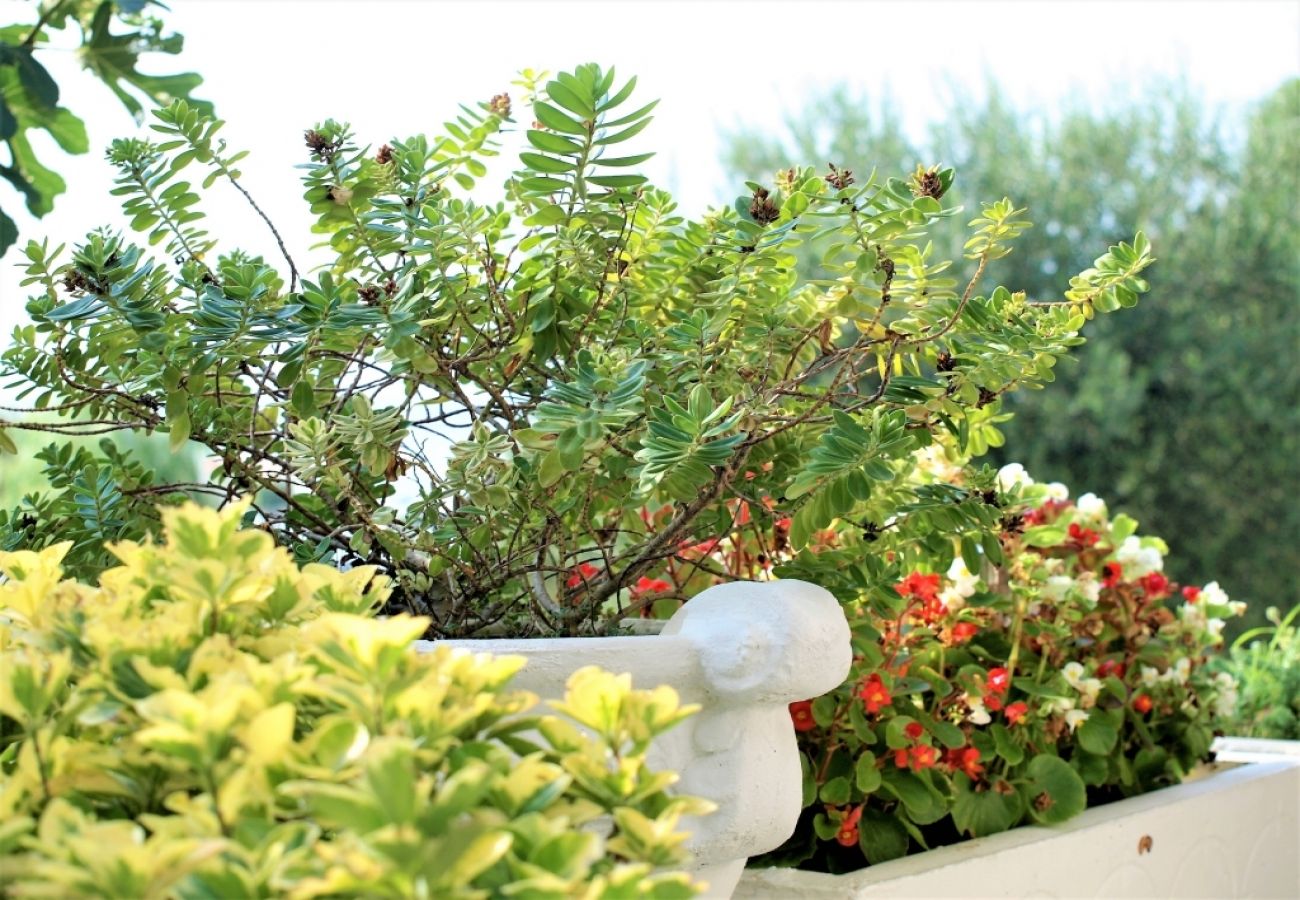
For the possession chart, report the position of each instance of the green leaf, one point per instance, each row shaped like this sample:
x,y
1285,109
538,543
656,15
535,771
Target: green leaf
x,y
1097,734
178,431
570,100
113,58
836,791
8,122
540,163
881,836
983,812
865,774
38,83
7,444
1052,790
1006,745
552,118
8,232
553,143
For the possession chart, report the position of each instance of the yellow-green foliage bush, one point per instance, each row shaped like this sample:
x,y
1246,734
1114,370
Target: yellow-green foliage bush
x,y
211,721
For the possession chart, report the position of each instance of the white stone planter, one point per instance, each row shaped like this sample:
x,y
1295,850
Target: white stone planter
x,y
1233,833
743,651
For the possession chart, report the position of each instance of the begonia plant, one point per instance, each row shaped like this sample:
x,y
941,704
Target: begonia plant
x,y
1013,681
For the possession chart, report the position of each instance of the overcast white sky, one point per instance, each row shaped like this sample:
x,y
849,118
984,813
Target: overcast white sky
x,y
273,67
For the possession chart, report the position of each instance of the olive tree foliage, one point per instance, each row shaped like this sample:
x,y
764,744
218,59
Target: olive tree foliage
x,y
569,384
29,94
1186,412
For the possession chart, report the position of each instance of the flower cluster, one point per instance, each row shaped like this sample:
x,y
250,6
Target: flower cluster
x,y
1052,664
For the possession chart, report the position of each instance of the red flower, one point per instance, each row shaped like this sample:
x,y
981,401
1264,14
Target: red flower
x,y
1084,537
923,756
1033,517
742,514
963,632
1142,703
703,548
1111,574
645,585
1016,712
992,702
1110,667
999,680
848,833
1155,584
782,524
965,759
900,758
582,574
1190,593
922,587
914,730
801,713
874,694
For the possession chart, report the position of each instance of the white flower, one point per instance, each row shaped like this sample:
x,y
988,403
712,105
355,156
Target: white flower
x,y
1073,672
1215,628
978,714
962,585
932,460
1225,704
1013,475
1057,587
1056,705
1057,491
1238,607
1075,717
1150,676
1213,594
1089,587
1089,688
1138,560
1178,672
1091,507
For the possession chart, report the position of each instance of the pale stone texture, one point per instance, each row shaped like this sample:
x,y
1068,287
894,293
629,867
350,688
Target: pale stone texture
x,y
743,651
1233,833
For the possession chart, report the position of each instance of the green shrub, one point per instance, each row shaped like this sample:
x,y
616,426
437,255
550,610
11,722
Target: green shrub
x,y
1265,662
589,353
212,721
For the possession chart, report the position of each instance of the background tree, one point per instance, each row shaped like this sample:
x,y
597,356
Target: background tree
x,y
29,95
1185,412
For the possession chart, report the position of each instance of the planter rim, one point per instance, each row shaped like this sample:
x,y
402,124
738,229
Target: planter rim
x,y
1226,777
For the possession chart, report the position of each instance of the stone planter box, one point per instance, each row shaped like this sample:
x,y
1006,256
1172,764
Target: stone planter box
x,y
1235,832
743,651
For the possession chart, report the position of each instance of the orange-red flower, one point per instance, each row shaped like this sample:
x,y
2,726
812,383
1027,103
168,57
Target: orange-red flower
x,y
583,573
1084,537
848,833
1191,593
874,694
963,632
1109,667
999,680
914,730
964,759
801,713
1142,703
1112,574
645,585
922,587
1016,712
1155,584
